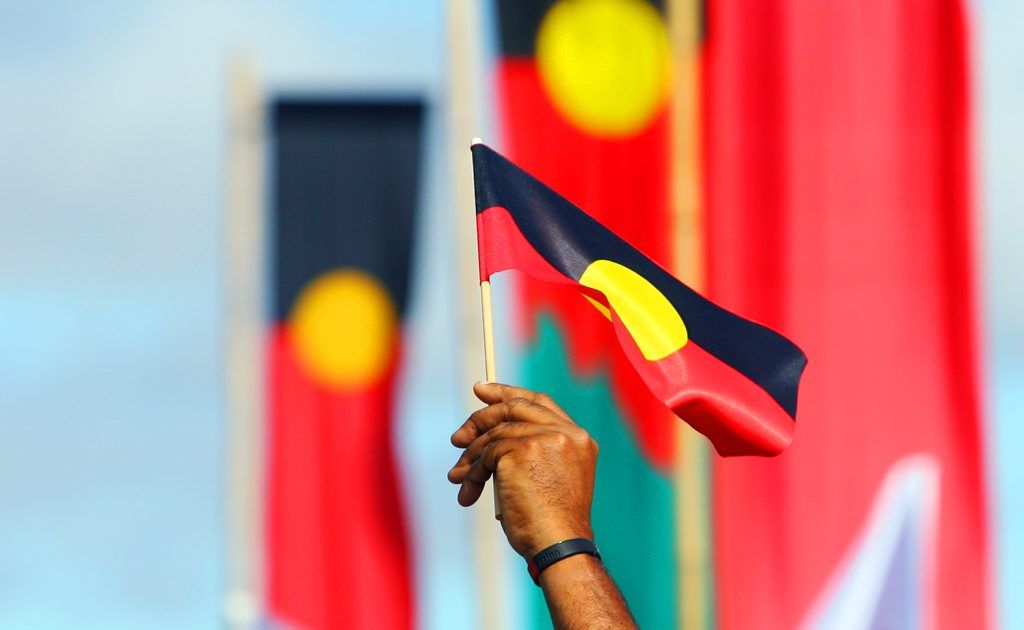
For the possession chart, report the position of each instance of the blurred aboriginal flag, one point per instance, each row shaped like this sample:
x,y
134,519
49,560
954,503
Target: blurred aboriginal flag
x,y
583,95
344,197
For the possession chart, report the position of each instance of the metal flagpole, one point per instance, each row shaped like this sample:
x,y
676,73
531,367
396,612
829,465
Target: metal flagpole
x,y
691,475
243,336
464,60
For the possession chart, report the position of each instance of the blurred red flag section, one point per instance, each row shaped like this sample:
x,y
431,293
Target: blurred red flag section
x,y
345,191
839,213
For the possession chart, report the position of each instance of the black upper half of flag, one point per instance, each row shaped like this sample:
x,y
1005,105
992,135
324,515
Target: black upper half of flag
x,y
345,192
519,21
570,240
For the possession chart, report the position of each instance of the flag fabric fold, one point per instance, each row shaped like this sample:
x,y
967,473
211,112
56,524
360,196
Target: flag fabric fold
x,y
731,379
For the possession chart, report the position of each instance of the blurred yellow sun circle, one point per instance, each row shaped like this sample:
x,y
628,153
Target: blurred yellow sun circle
x,y
605,63
343,327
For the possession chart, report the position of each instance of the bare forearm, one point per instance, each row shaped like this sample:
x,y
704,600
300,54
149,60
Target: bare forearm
x,y
546,464
581,595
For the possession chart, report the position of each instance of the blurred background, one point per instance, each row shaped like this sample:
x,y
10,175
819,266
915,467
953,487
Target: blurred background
x,y
123,140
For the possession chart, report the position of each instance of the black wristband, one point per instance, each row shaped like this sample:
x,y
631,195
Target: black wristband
x,y
560,551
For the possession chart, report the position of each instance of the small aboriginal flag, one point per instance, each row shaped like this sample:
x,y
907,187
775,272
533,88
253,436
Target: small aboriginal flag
x,y
733,380
345,192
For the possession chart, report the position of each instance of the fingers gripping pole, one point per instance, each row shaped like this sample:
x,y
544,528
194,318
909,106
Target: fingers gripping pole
x,y
489,370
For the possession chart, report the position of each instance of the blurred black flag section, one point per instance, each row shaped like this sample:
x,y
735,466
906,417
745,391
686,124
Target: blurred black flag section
x,y
345,179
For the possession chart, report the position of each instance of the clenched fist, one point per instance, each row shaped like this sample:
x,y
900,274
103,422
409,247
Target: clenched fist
x,y
543,464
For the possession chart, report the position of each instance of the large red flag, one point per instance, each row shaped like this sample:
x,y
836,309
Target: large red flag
x,y
839,213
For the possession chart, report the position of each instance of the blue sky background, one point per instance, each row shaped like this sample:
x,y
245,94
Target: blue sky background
x,y
111,423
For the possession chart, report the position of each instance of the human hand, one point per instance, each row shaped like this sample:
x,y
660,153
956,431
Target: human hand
x,y
543,464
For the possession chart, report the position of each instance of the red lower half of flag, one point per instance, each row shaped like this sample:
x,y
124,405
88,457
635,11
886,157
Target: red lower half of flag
x,y
337,550
737,416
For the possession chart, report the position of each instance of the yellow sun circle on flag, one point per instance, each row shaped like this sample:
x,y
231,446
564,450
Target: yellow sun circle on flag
x,y
605,63
652,321
343,327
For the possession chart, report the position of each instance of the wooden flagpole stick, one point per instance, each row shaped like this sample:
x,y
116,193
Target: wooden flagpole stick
x,y
490,371
242,604
691,475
